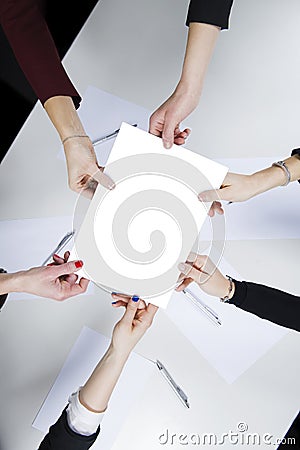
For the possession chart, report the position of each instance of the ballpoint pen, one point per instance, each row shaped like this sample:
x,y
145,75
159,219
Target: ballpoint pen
x,y
179,392
67,237
108,136
206,310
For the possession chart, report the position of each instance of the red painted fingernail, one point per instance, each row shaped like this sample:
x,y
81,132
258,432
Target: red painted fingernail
x,y
78,264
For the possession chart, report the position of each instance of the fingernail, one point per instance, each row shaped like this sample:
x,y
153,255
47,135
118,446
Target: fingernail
x,y
202,199
182,267
113,303
78,264
135,298
114,293
111,186
57,256
168,145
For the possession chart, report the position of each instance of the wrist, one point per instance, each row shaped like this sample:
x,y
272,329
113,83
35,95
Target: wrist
x,y
267,179
228,289
190,89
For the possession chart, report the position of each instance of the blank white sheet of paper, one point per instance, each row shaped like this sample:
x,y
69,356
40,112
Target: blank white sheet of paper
x,y
133,237
232,347
87,351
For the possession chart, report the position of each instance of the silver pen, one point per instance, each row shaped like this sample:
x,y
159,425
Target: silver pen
x,y
179,392
109,136
206,310
67,237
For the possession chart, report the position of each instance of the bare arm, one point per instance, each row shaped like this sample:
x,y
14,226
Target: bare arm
x,y
165,121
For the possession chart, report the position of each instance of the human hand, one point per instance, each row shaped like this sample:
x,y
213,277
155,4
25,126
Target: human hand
x,y
216,207
134,323
84,173
58,281
202,270
165,121
235,188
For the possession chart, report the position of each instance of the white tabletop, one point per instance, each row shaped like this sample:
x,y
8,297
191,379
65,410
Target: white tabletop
x,y
250,107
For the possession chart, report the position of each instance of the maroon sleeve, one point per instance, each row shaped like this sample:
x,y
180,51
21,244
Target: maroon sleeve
x,y
30,39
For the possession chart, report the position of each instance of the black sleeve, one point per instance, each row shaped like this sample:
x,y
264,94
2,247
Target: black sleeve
x,y
268,303
3,297
214,12
26,29
296,151
61,437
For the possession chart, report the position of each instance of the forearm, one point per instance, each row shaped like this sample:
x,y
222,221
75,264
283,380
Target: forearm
x,y
63,115
96,392
202,38
10,282
272,177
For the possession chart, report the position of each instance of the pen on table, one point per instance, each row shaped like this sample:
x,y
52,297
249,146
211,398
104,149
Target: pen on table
x,y
109,136
177,389
67,237
206,310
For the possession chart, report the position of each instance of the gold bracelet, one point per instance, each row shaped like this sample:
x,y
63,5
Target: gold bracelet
x,y
75,136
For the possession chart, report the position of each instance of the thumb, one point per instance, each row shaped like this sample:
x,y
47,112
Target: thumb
x,y
131,309
66,268
212,195
168,131
103,179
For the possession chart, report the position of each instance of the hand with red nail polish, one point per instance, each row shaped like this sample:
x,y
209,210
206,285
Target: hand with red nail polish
x,y
57,281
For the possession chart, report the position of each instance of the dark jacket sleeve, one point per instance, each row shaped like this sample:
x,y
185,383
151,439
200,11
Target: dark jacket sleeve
x,y
3,297
61,437
214,12
27,32
296,151
268,303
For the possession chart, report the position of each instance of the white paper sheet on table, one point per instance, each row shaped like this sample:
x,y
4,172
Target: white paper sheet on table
x,y
84,356
232,347
102,113
27,243
275,214
95,241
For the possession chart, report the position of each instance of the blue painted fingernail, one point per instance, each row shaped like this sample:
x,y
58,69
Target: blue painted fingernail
x,y
113,303
135,298
114,293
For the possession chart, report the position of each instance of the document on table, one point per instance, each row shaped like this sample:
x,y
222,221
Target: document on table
x,y
237,344
133,237
102,113
83,357
28,242
272,215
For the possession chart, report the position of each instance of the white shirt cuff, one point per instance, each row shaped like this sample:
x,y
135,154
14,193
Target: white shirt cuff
x,y
80,419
